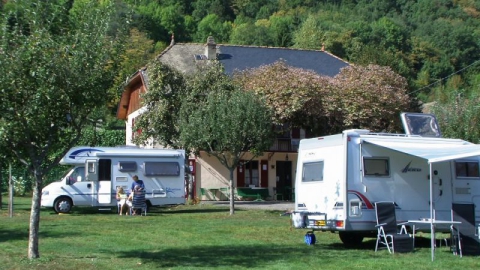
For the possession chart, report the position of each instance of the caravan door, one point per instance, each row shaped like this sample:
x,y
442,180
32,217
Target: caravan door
x,y
99,172
92,176
104,181
442,190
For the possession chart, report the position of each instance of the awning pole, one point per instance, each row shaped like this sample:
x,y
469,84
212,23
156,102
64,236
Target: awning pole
x,y
432,232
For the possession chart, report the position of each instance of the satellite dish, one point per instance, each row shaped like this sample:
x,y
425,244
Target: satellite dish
x,y
421,124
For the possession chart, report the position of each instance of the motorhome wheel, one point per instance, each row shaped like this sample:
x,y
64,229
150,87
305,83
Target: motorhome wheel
x,y
63,205
351,238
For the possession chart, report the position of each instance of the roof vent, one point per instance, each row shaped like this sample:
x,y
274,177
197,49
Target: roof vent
x,y
199,57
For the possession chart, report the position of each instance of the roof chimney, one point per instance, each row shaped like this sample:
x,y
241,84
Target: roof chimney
x,y
211,49
323,47
172,41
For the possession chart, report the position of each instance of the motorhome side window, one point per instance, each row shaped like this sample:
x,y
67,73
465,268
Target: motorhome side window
x,y
91,167
127,166
375,166
468,169
161,169
312,171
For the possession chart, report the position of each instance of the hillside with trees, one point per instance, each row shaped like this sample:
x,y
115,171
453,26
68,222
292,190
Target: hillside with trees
x,y
425,41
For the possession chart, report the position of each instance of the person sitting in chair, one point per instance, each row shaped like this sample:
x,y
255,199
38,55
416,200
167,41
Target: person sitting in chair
x,y
137,198
122,201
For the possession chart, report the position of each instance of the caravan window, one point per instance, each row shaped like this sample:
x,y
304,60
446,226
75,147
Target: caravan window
x,y
467,169
374,166
312,172
161,169
127,166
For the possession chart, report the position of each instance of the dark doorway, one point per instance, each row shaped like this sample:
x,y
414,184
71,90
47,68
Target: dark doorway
x,y
284,179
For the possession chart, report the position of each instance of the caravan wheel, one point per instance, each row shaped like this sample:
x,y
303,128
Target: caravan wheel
x,y
351,238
62,205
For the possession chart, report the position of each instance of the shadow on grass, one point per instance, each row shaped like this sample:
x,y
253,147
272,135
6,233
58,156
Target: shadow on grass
x,y
207,257
16,234
22,234
193,210
367,244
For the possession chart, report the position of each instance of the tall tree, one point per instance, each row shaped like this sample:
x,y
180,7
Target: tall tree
x,y
370,97
295,96
205,112
56,63
165,90
229,125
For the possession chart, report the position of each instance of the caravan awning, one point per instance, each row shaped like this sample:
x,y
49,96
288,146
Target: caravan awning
x,y
432,152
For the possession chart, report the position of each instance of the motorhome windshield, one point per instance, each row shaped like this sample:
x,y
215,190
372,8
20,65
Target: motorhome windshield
x,y
76,174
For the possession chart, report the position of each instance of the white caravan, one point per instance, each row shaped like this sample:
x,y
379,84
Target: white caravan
x,y
340,177
99,171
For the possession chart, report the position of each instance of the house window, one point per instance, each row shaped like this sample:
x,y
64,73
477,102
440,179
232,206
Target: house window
x,y
467,169
373,166
161,169
312,171
135,132
127,166
251,173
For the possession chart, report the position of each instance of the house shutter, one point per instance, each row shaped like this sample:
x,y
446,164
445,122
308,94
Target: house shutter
x,y
241,174
264,173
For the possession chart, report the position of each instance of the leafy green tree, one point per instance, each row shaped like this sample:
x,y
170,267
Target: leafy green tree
x,y
309,35
139,50
180,109
459,116
226,126
243,34
173,20
389,35
166,89
148,19
221,8
56,64
212,25
281,28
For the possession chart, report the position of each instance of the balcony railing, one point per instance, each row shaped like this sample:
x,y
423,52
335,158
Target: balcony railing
x,y
285,145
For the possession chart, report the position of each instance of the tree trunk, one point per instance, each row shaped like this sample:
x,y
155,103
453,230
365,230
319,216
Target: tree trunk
x,y
35,219
1,186
232,193
10,191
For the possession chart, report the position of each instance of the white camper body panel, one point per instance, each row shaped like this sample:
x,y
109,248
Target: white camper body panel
x,y
343,198
99,171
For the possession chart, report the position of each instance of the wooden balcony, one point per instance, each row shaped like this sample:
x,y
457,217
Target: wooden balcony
x,y
285,145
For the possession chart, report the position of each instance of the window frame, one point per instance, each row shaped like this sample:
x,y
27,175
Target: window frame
x,y
366,160
306,165
467,170
121,165
147,164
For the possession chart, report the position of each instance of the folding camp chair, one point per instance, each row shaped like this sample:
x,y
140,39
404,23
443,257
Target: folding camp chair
x,y
120,202
139,203
465,239
387,229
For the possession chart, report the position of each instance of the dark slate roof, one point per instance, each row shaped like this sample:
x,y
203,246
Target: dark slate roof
x,y
241,58
185,56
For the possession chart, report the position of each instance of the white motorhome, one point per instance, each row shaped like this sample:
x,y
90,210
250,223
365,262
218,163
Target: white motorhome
x,y
99,171
340,177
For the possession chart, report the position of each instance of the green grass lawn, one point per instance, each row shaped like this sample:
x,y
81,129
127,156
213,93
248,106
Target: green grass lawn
x,y
191,237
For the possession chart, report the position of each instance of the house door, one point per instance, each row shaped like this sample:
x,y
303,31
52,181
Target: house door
x,y
284,179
